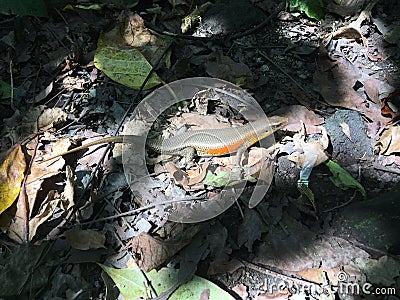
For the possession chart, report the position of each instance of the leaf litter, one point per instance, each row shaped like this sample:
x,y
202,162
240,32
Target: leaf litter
x,y
277,234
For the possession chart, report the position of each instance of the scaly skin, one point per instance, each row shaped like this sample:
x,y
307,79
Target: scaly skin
x,y
206,142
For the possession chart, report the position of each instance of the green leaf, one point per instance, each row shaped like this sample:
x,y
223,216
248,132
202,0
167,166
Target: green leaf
x,y
220,180
24,7
341,178
5,90
393,36
132,284
124,65
97,7
312,8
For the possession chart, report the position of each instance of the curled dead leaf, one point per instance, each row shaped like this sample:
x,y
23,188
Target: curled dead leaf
x,y
85,239
390,141
150,252
51,117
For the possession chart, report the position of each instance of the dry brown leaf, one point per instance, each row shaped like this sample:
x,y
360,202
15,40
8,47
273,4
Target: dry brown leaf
x,y
38,173
345,7
251,229
336,84
179,176
51,117
390,105
68,193
85,239
303,249
42,170
46,211
311,148
151,252
297,113
317,274
241,290
275,294
132,32
346,129
197,121
390,141
261,163
220,66
196,176
371,86
349,32
44,93
391,159
217,267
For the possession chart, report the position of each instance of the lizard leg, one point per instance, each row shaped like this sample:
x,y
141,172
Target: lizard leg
x,y
188,153
239,155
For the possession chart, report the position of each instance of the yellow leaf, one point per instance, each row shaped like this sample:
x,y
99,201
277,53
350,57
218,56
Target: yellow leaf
x,y
11,176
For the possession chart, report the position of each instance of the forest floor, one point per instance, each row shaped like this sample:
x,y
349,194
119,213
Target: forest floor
x,y
336,80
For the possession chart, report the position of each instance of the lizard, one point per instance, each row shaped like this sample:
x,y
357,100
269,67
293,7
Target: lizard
x,y
203,142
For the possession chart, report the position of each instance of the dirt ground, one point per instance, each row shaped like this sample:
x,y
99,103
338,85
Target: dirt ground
x,y
337,82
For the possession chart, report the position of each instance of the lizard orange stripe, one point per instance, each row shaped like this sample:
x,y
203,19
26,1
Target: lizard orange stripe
x,y
224,150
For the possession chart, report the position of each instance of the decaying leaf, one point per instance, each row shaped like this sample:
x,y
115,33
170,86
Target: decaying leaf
x,y
336,81
218,267
124,53
251,229
42,170
132,32
44,93
51,117
379,272
85,239
20,267
346,129
177,174
38,172
349,32
297,114
292,246
389,143
220,66
69,188
393,36
241,290
46,211
345,7
196,176
391,105
151,252
11,175
22,124
312,148
5,90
